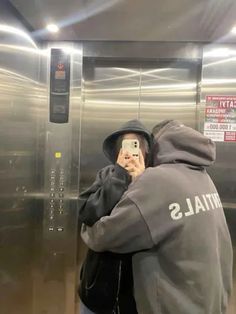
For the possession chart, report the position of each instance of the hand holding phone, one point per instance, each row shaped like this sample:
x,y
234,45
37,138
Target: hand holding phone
x,y
134,166
131,158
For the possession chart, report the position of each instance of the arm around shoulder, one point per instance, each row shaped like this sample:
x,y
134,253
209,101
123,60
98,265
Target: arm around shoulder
x,y
123,231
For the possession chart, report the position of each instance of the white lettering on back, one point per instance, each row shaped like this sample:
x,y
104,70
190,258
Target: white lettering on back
x,y
190,207
195,205
209,199
205,201
175,211
198,205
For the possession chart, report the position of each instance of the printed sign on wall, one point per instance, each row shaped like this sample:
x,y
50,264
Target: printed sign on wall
x,y
220,118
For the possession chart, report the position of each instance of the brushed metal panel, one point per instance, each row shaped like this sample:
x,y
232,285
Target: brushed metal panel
x,y
111,95
38,273
19,92
115,91
56,266
169,91
140,50
219,78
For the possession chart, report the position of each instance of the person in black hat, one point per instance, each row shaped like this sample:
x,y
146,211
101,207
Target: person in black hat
x,y
106,285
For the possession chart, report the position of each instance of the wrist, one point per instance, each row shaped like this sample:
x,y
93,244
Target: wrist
x,y
121,172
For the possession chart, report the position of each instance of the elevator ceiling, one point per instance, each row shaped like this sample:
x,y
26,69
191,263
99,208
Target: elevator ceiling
x,y
133,20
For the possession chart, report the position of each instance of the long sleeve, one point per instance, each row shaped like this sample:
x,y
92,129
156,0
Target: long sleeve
x,y
99,199
123,231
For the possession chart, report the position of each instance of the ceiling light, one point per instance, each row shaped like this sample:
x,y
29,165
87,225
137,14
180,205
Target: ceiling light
x,y
53,28
233,30
219,52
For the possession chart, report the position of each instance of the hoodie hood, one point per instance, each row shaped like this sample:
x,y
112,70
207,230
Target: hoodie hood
x,y
132,126
177,143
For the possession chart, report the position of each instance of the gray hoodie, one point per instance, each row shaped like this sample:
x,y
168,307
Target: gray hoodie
x,y
173,214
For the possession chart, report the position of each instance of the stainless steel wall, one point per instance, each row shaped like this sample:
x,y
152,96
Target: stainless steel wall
x,y
38,267
117,91
121,82
58,158
168,90
19,106
219,78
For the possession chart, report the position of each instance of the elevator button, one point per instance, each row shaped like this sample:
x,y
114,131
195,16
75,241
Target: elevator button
x,y
60,229
50,228
61,194
57,155
52,194
61,189
52,189
61,201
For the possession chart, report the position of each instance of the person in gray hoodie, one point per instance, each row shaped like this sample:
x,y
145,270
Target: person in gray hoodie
x,y
173,216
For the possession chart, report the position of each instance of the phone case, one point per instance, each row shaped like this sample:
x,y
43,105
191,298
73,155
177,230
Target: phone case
x,y
132,146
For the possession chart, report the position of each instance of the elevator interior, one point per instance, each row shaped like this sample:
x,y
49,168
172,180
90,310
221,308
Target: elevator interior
x,y
44,165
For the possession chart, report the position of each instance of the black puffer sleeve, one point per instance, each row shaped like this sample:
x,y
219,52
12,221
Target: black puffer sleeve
x,y
100,198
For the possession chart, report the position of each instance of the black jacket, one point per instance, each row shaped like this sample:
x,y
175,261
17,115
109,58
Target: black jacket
x,y
98,201
106,191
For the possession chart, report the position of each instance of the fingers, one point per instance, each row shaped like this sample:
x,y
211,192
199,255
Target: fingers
x,y
141,158
137,162
130,168
134,170
123,158
134,166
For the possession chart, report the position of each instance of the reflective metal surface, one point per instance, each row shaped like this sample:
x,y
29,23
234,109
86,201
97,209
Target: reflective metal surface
x,y
219,78
116,91
110,98
56,267
38,267
169,91
20,92
142,50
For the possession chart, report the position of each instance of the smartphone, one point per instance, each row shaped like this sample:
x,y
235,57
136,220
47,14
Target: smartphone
x,y
131,146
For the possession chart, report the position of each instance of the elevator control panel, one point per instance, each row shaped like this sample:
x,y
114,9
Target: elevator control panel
x,y
59,86
56,204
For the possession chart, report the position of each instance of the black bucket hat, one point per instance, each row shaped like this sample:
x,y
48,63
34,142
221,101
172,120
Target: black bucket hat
x,y
132,126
